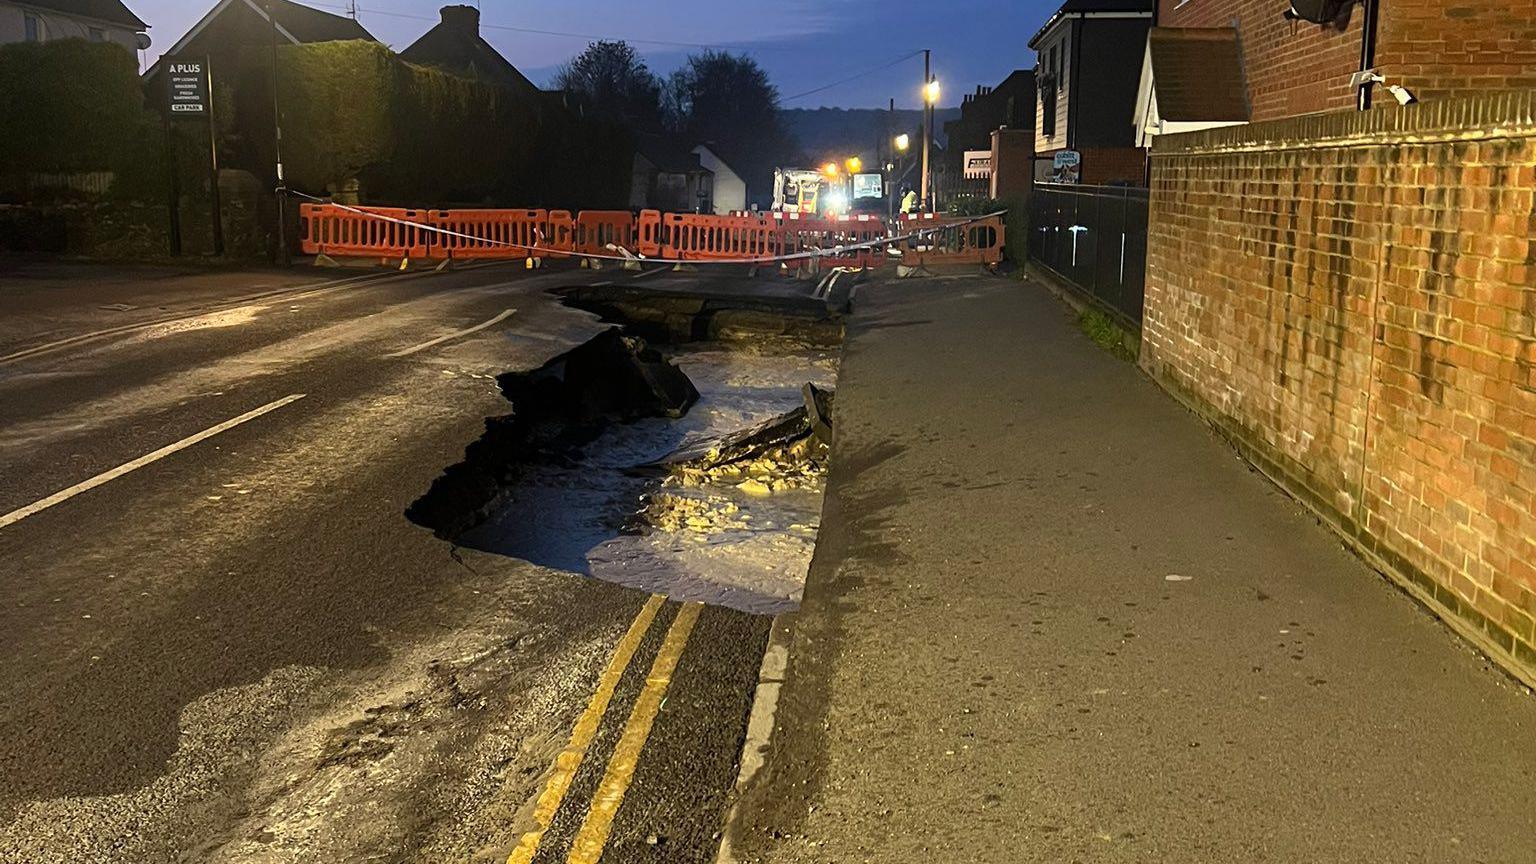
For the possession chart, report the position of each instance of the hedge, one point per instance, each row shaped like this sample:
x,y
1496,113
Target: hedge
x,y
76,106
419,136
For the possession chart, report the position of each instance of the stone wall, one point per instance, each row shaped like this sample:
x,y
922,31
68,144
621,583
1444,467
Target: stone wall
x,y
1351,298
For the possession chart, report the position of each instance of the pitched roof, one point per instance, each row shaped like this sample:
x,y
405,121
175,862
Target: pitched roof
x,y
668,154
297,24
312,25
455,45
1198,74
112,11
1088,7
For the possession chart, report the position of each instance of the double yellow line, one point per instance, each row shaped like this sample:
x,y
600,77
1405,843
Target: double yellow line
x,y
592,837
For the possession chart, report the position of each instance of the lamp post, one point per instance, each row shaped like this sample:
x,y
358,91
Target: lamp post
x,y
930,97
277,145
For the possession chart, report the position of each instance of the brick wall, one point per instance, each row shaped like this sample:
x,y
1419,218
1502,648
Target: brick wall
x,y
1350,298
1448,48
1292,67
1104,165
1436,48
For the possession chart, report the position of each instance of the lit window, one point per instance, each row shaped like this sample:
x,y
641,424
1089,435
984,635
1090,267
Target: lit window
x,y
34,28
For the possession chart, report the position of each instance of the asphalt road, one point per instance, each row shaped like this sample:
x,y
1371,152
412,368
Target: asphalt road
x,y
223,640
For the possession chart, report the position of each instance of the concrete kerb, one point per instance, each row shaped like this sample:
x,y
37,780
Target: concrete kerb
x,y
754,749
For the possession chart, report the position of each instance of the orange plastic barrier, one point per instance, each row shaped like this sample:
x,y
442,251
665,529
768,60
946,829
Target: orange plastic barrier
x,y
398,232
488,233
330,230
560,233
706,237
953,242
648,229
597,230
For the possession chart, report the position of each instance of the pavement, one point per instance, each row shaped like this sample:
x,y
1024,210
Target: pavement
x,y
225,642
1052,617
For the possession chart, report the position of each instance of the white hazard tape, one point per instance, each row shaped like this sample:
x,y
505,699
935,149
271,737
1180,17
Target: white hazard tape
x,y
830,252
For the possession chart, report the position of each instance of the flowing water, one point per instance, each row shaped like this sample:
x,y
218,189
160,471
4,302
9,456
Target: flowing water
x,y
741,539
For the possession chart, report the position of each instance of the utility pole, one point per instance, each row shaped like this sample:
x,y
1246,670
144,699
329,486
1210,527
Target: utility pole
x,y
927,125
213,165
277,128
890,148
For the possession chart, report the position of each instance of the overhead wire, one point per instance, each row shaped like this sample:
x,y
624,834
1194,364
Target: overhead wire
x,y
855,77
535,31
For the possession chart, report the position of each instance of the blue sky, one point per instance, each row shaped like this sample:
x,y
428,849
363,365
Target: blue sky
x,y
803,45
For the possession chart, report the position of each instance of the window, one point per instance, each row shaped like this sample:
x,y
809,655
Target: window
x,y
34,28
1059,51
1048,112
97,35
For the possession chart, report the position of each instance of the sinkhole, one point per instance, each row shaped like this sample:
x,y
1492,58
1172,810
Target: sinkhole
x,y
690,463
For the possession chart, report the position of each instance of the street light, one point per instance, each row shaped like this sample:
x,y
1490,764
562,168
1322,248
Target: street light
x,y
930,98
854,163
903,141
829,169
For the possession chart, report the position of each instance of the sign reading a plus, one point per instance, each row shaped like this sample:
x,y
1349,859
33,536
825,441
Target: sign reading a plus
x,y
186,84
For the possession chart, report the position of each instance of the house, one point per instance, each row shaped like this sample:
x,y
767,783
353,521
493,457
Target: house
x,y
1191,79
669,176
1429,50
728,190
1090,55
971,160
93,20
233,25
455,45
1010,103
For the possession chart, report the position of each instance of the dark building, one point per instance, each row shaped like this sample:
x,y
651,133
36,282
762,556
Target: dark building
x,y
1010,104
669,176
961,170
1090,57
455,45
233,25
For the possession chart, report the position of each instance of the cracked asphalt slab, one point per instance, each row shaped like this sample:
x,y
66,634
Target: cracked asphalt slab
x,y
243,652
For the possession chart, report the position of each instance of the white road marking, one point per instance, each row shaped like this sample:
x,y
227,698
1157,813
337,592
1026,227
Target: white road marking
x,y
297,292
454,335
107,476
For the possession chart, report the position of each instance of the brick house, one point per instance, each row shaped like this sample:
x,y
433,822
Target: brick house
x,y
1432,48
455,45
1089,56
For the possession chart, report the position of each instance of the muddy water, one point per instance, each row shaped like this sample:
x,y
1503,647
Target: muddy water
x,y
722,542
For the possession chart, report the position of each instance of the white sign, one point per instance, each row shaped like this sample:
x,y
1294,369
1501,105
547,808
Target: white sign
x,y
978,164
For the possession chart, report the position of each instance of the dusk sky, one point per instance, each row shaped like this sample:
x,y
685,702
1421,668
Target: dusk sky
x,y
804,45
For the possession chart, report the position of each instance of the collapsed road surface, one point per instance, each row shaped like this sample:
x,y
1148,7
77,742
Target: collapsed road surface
x,y
224,641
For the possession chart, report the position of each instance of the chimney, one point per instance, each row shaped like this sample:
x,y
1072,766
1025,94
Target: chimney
x,y
463,18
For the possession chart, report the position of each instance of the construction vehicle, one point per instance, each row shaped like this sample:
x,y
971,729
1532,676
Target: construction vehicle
x,y
828,190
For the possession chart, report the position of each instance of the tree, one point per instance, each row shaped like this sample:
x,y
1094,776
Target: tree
x,y
728,101
610,82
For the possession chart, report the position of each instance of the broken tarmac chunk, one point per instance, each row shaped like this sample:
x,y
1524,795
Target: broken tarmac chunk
x,y
611,377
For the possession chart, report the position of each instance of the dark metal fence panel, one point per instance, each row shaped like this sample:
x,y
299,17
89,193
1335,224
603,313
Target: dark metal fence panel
x,y
1094,237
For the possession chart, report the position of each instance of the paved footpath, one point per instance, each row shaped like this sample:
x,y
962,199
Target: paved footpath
x,y
1053,618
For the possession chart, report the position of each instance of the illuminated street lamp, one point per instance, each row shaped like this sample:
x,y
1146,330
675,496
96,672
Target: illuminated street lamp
x,y
829,169
903,141
930,98
854,163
